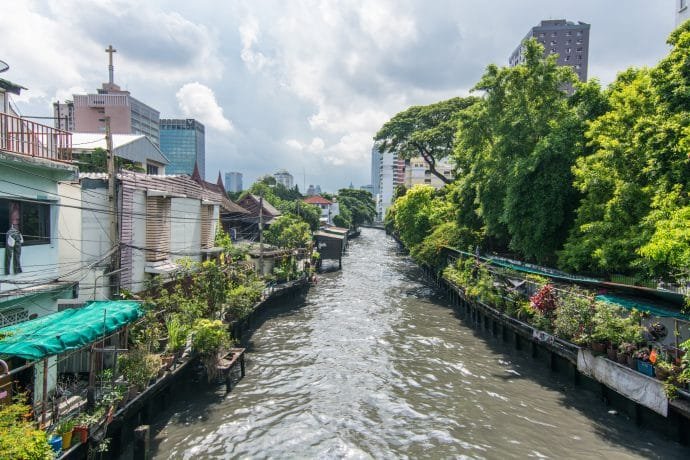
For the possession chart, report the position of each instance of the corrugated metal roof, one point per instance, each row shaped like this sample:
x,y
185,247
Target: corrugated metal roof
x,y
132,147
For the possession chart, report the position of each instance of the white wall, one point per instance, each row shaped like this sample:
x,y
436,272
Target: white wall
x,y
95,228
139,276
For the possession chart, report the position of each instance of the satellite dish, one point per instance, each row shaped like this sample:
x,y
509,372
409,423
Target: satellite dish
x,y
3,66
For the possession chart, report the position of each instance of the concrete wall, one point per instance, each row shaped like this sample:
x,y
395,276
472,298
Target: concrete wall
x,y
139,276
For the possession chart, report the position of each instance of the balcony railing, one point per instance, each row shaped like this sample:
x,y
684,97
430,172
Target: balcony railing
x,y
24,137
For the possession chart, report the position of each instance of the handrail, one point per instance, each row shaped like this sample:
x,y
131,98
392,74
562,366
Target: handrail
x,y
24,137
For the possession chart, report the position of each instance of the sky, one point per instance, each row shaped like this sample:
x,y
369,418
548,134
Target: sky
x,y
298,84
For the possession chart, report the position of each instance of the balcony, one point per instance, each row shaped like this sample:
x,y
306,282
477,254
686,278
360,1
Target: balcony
x,y
24,137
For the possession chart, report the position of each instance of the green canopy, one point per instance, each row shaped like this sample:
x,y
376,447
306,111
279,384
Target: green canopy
x,y
67,330
641,305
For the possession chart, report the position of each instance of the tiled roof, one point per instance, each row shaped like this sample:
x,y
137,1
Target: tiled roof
x,y
316,199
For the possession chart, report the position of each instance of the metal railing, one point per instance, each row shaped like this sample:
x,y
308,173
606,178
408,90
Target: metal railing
x,y
24,137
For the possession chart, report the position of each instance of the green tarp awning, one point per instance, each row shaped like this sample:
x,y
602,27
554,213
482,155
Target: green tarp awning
x,y
641,305
67,330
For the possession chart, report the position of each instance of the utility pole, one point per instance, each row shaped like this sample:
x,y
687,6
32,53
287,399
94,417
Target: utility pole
x,y
112,201
261,235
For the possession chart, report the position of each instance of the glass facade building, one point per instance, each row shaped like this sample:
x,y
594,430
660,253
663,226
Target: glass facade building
x,y
183,143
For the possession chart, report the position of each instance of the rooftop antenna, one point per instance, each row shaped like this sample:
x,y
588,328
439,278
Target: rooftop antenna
x,y
110,50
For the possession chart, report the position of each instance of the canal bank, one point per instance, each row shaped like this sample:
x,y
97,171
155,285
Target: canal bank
x,y
123,433
374,363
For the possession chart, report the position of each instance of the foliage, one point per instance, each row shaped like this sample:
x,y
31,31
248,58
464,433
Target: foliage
x,y
545,301
209,336
516,148
19,439
475,279
359,204
177,333
343,218
138,367
447,234
289,232
426,131
575,317
633,216
97,162
242,298
416,213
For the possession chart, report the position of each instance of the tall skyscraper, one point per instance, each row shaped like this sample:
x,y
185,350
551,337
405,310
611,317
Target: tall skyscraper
x,y
682,12
565,38
183,143
86,112
391,174
375,166
284,177
233,182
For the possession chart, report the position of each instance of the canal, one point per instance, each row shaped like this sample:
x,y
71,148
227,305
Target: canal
x,y
373,364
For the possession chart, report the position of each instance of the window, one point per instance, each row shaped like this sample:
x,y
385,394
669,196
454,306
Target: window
x,y
569,34
151,169
554,34
32,220
157,228
579,33
553,42
568,42
542,35
568,50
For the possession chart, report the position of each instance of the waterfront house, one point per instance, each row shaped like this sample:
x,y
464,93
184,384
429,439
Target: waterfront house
x,y
329,209
247,226
34,159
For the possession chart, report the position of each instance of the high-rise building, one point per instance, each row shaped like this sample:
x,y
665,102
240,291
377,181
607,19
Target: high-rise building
x,y
86,112
565,38
682,12
417,172
391,174
375,166
183,143
284,177
233,182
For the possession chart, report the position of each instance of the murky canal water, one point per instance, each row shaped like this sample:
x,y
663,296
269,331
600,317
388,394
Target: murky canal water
x,y
373,365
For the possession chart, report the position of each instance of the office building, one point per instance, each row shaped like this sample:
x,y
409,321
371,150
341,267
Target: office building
x,y
568,40
233,182
285,178
682,12
183,144
86,112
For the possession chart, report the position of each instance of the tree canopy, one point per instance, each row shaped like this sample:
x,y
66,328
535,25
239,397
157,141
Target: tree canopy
x,y
426,131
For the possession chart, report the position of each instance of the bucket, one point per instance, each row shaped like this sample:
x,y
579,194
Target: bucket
x,y
67,440
55,443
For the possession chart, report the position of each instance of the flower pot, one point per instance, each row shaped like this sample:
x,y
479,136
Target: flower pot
x,y
645,367
661,374
66,440
622,358
631,362
82,433
55,443
599,347
612,353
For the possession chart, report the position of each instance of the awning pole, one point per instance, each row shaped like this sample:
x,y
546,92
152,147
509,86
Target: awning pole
x,y
44,396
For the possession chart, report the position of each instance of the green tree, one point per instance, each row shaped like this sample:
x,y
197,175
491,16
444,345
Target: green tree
x,y
424,131
515,150
418,212
359,204
288,231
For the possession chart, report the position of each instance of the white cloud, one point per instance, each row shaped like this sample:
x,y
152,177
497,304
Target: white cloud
x,y
249,34
198,101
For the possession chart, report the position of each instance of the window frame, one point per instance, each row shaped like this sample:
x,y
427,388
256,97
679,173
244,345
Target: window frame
x,y
41,235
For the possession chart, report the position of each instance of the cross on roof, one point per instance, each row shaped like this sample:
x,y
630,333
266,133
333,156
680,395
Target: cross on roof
x,y
110,50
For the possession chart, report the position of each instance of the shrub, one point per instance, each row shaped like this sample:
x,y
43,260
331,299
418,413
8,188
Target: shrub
x,y
19,439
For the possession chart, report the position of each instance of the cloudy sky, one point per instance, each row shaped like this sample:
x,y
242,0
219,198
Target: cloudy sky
x,y
298,84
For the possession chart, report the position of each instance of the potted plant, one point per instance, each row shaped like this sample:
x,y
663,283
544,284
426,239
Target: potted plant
x,y
664,370
643,364
139,367
177,335
64,429
208,338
